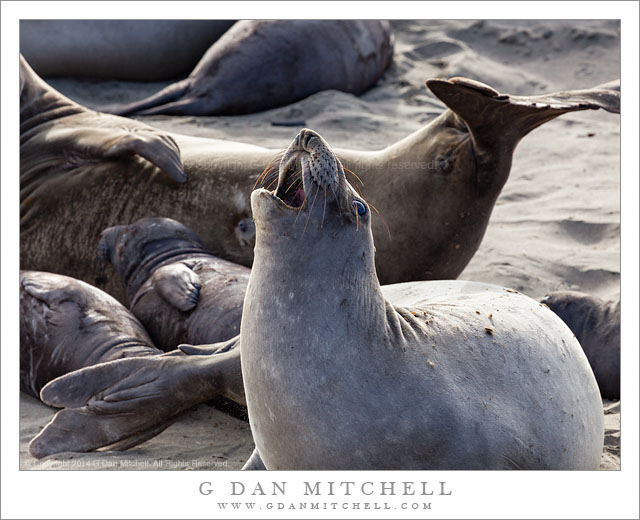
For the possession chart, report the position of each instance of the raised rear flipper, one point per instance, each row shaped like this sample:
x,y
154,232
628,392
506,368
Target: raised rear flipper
x,y
492,117
497,122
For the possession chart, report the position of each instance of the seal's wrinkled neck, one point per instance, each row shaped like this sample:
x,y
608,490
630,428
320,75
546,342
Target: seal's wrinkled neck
x,y
314,261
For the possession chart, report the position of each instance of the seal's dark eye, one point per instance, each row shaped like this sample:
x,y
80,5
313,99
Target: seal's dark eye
x,y
242,225
360,207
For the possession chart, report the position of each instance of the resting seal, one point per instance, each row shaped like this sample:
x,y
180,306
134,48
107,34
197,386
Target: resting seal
x,y
596,324
82,351
178,290
261,64
448,375
75,181
136,50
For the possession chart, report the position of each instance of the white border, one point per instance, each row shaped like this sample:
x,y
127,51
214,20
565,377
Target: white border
x,y
175,494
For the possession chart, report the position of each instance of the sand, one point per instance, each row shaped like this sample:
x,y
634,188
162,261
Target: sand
x,y
555,226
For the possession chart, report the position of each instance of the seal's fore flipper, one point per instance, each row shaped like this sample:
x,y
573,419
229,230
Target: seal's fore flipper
x,y
62,141
254,463
494,118
178,285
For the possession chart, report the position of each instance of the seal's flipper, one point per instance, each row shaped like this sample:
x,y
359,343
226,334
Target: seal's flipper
x,y
492,117
62,141
98,382
208,350
155,146
182,107
81,430
166,95
254,463
140,437
121,403
178,285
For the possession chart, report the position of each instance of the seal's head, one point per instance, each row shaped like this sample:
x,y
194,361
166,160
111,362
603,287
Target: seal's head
x,y
314,206
137,249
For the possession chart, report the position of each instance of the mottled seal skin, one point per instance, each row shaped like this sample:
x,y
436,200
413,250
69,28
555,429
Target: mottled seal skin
x,y
82,351
136,50
436,211
340,374
596,324
178,290
261,64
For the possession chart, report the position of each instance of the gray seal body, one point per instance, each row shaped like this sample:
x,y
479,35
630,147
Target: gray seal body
x,y
340,374
82,171
135,50
596,324
261,64
178,290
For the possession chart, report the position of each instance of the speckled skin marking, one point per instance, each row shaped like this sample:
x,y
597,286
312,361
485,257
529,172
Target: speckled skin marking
x,y
343,374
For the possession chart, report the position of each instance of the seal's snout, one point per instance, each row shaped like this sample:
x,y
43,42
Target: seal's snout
x,y
308,165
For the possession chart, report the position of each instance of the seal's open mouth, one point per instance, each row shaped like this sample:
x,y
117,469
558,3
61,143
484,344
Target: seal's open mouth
x,y
290,189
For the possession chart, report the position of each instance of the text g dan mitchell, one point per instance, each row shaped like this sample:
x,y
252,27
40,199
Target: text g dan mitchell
x,y
328,488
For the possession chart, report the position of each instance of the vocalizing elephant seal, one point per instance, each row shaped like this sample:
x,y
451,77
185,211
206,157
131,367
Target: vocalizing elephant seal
x,y
338,375
136,50
178,290
261,64
82,351
435,189
596,324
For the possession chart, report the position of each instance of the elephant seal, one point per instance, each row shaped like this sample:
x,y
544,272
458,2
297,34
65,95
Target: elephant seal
x,y
261,64
445,178
340,374
82,351
135,50
178,290
596,324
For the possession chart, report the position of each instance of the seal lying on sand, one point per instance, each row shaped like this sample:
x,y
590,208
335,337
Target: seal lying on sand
x,y
76,182
137,50
179,291
82,351
463,375
596,324
261,64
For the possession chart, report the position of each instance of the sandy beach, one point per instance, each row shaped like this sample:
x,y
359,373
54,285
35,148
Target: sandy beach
x,y
556,225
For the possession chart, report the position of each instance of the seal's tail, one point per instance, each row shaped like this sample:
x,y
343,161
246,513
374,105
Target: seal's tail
x,y
162,102
492,117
